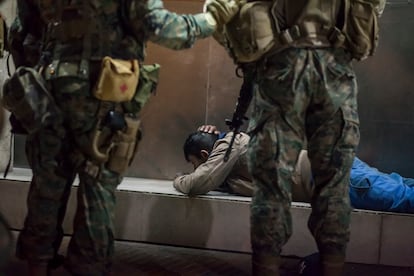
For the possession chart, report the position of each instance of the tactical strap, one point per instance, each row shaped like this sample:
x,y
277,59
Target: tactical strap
x,y
323,35
312,23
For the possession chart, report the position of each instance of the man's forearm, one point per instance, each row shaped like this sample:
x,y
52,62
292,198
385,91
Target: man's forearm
x,y
193,184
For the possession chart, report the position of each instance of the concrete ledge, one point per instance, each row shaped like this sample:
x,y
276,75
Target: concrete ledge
x,y
152,211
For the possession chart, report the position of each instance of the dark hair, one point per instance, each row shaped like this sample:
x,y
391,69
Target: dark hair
x,y
198,141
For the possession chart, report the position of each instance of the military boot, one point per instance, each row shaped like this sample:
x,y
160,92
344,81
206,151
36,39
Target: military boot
x,y
38,269
332,265
265,265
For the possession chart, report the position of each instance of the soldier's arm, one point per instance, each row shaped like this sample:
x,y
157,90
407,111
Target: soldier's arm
x,y
169,29
177,31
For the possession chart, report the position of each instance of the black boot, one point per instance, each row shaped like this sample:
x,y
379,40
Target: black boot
x,y
38,269
310,265
332,265
265,265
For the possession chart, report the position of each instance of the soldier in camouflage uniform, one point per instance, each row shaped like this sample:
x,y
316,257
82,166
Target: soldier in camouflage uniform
x,y
75,36
305,97
5,234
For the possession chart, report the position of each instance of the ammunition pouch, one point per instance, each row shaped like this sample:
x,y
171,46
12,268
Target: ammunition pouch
x,y
25,94
251,33
114,141
148,81
118,80
361,29
125,146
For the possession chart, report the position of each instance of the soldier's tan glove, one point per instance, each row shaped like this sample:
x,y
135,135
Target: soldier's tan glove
x,y
222,10
380,7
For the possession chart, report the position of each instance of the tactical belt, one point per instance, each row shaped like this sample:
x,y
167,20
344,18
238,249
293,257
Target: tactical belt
x,y
310,34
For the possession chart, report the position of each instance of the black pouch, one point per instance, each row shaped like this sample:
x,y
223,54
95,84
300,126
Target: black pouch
x,y
25,94
125,146
16,126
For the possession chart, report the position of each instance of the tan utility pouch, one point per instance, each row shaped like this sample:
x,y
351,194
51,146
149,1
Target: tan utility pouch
x,y
125,146
362,29
250,33
118,80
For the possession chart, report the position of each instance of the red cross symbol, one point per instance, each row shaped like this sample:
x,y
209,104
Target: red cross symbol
x,y
123,88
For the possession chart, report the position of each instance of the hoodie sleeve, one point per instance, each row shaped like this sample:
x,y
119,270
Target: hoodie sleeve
x,y
211,174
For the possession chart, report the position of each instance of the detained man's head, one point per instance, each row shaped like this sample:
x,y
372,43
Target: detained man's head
x,y
198,146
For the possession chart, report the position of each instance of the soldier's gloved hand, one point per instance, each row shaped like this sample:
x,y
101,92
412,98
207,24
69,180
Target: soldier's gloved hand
x,y
222,10
209,129
380,6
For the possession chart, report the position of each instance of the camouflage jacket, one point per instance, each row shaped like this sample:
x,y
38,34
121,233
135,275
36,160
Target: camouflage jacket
x,y
118,29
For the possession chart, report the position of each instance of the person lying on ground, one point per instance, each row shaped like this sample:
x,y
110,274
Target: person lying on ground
x,y
368,187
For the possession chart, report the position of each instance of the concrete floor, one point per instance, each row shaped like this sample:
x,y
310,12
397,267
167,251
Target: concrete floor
x,y
134,258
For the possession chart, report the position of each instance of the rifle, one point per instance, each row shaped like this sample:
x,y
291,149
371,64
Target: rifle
x,y
243,102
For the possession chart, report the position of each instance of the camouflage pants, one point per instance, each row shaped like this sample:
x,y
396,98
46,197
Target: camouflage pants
x,y
303,98
55,157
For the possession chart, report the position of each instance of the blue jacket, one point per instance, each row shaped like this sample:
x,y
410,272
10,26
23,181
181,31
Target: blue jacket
x,y
374,190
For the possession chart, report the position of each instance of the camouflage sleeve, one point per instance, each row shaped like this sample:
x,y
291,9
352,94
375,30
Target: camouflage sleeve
x,y
174,31
24,36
